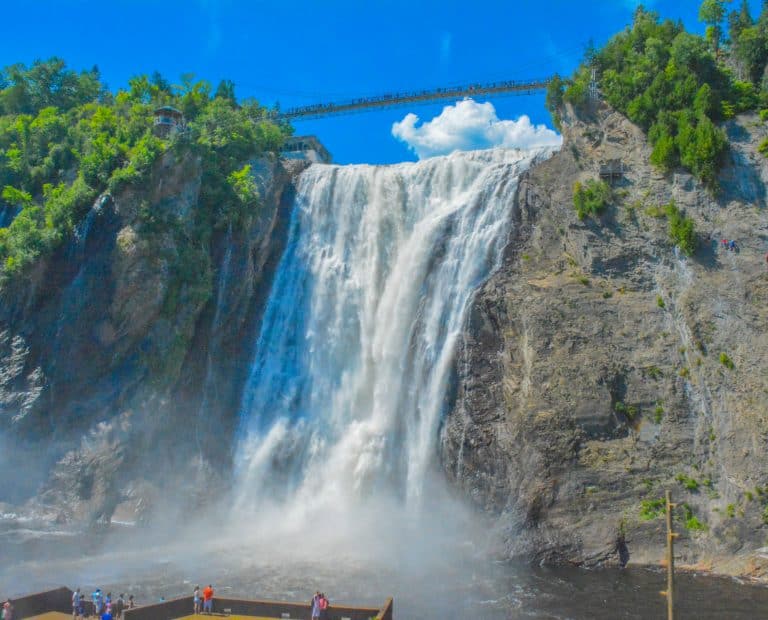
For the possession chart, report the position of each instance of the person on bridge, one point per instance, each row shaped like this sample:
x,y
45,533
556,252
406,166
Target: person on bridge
x,y
196,600
208,599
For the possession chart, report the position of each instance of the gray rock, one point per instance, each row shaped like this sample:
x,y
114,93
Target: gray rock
x,y
579,398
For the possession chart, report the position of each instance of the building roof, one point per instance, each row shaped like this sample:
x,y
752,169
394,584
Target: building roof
x,y
167,109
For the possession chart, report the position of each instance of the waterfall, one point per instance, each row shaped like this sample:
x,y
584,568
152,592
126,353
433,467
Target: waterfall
x,y
348,380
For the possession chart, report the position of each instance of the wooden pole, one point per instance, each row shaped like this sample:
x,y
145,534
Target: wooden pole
x,y
670,593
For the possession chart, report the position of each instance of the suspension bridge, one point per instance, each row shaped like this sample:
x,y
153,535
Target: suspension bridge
x,y
319,110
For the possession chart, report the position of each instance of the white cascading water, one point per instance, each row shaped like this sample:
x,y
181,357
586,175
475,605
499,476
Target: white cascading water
x,y
350,370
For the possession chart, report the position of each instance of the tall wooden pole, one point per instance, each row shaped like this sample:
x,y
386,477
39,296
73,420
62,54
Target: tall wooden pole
x,y
670,593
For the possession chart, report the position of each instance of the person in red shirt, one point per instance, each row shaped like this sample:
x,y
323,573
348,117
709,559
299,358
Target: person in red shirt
x,y
208,599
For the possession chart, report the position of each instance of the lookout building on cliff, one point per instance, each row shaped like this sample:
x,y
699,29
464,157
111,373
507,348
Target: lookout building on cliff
x,y
168,121
305,147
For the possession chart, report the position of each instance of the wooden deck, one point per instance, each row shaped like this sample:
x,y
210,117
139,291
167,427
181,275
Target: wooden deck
x,y
204,616
50,615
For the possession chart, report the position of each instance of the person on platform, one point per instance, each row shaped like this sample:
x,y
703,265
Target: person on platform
x,y
77,604
208,599
8,610
316,606
97,600
196,600
119,607
107,615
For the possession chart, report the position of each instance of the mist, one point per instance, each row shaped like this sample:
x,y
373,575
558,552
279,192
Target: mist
x,y
24,466
357,554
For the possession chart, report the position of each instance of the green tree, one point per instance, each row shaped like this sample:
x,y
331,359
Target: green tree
x,y
682,231
16,197
739,20
591,198
226,90
64,140
712,12
554,99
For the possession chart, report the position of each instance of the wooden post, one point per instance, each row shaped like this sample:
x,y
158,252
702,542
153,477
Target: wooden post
x,y
670,591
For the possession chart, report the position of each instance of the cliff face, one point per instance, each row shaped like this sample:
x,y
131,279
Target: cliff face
x,y
599,366
590,377
110,362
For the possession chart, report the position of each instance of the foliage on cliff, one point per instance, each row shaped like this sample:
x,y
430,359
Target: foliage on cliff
x,y
748,44
65,139
590,198
676,85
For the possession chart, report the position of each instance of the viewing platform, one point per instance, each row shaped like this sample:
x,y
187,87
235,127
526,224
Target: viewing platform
x,y
305,147
57,605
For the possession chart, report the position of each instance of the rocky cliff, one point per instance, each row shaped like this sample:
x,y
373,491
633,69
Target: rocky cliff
x,y
120,373
601,367
598,368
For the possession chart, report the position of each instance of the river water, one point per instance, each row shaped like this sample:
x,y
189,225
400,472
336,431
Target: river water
x,y
463,586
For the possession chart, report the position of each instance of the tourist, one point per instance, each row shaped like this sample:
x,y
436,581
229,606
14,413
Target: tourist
x,y
108,600
96,597
8,610
196,600
77,604
107,615
131,603
119,607
323,606
208,599
316,606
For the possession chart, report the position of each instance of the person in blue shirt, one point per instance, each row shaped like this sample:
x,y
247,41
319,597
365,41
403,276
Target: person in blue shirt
x,y
96,596
107,615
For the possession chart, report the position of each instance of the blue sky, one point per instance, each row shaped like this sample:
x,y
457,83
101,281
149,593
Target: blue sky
x,y
301,52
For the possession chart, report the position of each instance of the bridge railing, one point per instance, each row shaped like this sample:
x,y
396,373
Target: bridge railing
x,y
397,98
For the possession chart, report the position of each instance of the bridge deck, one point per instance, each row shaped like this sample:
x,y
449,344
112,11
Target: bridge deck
x,y
388,100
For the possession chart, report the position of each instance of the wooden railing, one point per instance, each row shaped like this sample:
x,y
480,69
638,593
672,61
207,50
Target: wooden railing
x,y
60,600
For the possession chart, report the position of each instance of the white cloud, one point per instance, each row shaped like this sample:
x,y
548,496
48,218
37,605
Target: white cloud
x,y
468,126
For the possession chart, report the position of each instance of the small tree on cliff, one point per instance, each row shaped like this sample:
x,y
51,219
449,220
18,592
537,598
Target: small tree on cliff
x,y
712,13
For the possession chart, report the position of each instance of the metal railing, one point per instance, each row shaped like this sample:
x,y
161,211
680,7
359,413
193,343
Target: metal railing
x,y
318,110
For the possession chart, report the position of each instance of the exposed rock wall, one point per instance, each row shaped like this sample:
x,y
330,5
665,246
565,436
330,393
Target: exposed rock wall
x,y
126,389
590,376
